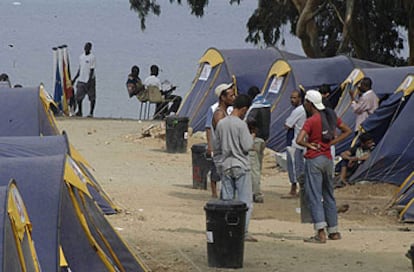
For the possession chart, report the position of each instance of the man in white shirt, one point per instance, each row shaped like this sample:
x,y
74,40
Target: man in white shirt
x,y
86,79
367,102
162,109
294,152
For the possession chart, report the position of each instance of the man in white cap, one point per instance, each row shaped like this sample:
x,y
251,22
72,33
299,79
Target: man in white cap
x,y
318,166
225,95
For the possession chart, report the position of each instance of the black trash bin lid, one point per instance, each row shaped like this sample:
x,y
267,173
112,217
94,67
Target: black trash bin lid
x,y
199,147
225,205
178,119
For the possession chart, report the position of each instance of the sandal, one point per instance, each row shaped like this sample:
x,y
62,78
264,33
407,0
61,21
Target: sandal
x,y
335,236
315,239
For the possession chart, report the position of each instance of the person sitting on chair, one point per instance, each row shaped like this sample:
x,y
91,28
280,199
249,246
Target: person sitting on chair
x,y
134,84
353,157
162,109
5,81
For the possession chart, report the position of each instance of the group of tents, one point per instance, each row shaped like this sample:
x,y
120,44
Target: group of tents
x,y
277,73
52,210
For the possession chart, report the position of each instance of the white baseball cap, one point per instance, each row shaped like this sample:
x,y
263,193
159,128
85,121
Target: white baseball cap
x,y
315,98
222,87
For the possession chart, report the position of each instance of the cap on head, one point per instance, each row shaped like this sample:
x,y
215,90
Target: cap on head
x,y
222,87
315,98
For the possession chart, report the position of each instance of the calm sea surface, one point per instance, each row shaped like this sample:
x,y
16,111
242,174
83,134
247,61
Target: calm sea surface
x,y
174,41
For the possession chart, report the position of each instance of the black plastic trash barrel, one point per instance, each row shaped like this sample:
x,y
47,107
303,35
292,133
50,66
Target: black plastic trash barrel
x,y
201,165
225,233
176,134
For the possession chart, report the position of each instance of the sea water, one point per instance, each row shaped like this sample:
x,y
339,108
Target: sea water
x,y
174,41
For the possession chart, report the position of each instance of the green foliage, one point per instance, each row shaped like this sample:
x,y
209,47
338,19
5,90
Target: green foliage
x,y
143,8
372,34
267,20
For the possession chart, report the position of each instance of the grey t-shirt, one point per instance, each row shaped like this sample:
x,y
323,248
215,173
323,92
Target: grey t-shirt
x,y
233,141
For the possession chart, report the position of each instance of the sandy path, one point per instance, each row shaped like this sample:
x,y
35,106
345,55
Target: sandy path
x,y
163,218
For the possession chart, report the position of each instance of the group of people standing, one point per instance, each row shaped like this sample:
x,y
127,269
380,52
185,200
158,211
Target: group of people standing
x,y
237,128
310,151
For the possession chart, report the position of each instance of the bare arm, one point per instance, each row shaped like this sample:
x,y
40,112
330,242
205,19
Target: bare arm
x,y
209,144
218,115
346,155
300,140
76,76
91,75
346,131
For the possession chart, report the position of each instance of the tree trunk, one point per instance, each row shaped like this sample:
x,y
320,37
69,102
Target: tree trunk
x,y
346,21
306,29
409,6
359,37
411,41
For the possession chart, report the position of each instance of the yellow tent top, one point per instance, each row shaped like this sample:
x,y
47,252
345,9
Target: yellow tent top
x,y
355,76
280,68
407,86
212,57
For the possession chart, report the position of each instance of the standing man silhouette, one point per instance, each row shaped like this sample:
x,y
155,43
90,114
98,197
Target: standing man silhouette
x,y
86,84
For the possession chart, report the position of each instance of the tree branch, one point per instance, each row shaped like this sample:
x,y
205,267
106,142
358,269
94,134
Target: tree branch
x,y
306,28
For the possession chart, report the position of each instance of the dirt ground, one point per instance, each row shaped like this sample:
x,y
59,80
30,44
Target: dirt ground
x,y
164,222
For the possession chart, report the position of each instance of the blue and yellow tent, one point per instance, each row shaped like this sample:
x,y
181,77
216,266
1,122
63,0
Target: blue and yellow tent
x,y
385,81
26,112
33,146
67,222
284,76
392,160
18,251
243,67
403,199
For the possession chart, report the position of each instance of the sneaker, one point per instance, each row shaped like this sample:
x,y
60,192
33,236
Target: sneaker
x,y
79,114
90,116
249,238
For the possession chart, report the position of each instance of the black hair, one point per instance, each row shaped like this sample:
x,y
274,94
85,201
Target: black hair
x,y
364,137
325,89
367,82
4,77
135,67
253,91
154,70
241,101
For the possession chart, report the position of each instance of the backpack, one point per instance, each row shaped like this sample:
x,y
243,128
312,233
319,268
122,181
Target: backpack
x,y
328,117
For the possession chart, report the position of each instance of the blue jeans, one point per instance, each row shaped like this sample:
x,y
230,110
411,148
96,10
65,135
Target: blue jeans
x,y
320,194
295,163
236,184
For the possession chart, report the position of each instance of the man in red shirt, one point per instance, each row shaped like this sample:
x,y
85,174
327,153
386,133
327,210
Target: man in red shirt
x,y
318,167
